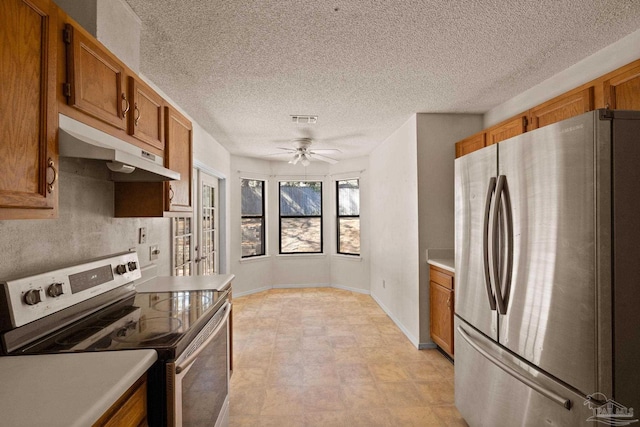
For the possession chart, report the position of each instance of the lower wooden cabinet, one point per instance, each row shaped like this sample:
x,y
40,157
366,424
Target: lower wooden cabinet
x,y
130,410
441,295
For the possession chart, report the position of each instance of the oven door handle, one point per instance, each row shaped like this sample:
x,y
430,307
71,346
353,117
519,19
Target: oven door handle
x,y
192,357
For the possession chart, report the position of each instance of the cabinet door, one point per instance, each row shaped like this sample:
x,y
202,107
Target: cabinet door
x,y
561,108
622,92
146,118
506,130
96,80
441,316
28,113
178,157
470,144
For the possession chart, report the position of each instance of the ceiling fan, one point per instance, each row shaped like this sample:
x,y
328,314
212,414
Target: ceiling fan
x,y
303,154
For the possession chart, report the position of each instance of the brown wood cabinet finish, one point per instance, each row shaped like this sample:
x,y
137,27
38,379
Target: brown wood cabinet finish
x,y
622,89
178,157
96,80
158,199
471,144
563,107
146,119
130,410
28,118
507,129
441,294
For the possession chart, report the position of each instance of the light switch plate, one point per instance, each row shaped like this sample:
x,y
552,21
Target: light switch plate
x,y
154,252
142,235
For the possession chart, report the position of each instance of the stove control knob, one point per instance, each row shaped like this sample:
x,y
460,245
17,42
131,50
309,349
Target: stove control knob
x,y
132,265
55,290
32,297
121,269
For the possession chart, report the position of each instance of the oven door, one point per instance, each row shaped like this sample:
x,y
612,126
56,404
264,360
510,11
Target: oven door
x,y
198,380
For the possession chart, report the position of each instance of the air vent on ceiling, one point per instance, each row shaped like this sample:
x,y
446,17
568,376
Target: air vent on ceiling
x,y
305,120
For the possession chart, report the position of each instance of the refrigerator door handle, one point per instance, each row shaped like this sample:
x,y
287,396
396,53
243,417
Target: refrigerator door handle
x,y
507,216
485,242
549,394
495,244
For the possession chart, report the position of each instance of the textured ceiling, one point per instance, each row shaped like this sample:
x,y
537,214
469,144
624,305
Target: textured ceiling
x,y
240,68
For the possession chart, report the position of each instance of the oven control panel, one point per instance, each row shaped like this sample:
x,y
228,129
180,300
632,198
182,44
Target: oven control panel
x,y
34,297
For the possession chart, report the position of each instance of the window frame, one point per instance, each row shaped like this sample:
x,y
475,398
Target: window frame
x,y
263,217
338,217
321,216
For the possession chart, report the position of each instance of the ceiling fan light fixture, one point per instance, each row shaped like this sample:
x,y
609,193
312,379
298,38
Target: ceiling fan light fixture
x,y
304,119
305,161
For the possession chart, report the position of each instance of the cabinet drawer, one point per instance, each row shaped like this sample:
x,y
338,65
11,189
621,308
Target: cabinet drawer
x,y
441,277
130,410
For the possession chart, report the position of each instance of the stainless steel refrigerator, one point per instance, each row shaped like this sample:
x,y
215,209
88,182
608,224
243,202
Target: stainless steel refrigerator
x,y
547,308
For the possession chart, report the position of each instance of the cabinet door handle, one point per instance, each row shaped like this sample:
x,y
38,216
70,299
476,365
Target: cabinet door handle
x,y
449,302
125,110
171,193
51,165
137,110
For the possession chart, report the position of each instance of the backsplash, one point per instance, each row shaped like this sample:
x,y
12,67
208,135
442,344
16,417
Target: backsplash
x,y
85,228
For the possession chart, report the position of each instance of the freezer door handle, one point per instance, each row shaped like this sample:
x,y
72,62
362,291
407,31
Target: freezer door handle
x,y
502,217
549,394
485,242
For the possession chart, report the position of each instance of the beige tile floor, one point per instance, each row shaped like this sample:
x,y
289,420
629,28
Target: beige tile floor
x,y
329,357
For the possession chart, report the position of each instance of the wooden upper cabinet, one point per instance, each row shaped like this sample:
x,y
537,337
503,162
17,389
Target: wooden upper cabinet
x,y
146,119
507,129
561,108
470,144
178,157
622,90
28,113
95,80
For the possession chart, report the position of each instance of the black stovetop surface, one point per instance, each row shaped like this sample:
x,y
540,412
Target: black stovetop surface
x,y
163,321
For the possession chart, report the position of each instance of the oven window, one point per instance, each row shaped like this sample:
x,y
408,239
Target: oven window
x,y
204,387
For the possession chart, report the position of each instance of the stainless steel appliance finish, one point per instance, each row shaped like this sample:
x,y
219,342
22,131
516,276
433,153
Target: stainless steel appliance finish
x,y
542,224
198,381
98,309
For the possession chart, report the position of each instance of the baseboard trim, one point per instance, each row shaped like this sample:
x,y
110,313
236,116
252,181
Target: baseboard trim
x,y
400,326
427,345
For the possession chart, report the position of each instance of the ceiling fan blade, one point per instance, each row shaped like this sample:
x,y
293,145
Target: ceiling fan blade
x,y
316,156
327,150
291,150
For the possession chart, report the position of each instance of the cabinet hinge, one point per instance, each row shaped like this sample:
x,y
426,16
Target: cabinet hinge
x,y
66,35
66,89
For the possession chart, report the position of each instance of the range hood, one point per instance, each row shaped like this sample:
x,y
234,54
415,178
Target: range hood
x,y
126,161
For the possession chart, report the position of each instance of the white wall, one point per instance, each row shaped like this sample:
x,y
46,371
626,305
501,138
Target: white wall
x,y
614,56
436,138
349,272
275,270
393,189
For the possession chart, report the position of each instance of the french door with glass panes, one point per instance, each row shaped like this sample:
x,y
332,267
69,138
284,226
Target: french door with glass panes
x,y
207,256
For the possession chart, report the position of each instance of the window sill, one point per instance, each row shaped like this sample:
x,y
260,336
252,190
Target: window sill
x,y
302,255
356,258
255,258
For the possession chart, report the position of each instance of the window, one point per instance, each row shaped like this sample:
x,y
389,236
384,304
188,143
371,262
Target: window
x,y
253,224
348,203
300,217
182,238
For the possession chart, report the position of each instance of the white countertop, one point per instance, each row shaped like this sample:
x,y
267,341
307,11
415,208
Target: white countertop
x,y
185,283
444,263
67,389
